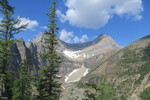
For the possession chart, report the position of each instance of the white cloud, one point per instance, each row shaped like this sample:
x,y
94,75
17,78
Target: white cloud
x,y
84,38
70,38
66,36
76,39
129,8
96,13
61,16
44,27
31,23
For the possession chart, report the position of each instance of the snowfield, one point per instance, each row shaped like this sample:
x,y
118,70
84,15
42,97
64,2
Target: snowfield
x,y
76,54
72,54
76,74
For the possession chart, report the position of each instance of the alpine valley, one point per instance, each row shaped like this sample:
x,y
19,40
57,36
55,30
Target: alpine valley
x,y
127,67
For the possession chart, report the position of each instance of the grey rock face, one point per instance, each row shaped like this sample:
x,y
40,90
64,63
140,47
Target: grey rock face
x,y
21,52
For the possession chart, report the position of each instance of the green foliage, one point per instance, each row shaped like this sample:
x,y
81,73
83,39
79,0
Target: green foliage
x,y
7,31
70,99
49,86
132,57
134,62
143,70
22,85
103,90
131,63
123,88
145,95
82,85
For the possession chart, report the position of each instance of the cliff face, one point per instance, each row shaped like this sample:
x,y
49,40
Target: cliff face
x,y
21,52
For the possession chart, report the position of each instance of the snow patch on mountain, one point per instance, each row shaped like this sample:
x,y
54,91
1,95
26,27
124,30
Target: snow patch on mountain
x,y
72,54
86,72
76,74
67,77
76,54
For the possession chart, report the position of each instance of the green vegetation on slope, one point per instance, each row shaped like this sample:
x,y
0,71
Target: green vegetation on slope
x,y
135,65
103,90
133,62
128,69
145,95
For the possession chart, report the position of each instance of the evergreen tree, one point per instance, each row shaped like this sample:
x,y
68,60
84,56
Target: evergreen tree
x,y
8,28
22,85
49,86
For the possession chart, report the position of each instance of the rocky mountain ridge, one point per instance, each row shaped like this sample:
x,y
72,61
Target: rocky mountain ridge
x,y
76,55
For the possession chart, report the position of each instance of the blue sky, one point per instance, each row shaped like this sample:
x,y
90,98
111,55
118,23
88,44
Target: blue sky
x,y
82,20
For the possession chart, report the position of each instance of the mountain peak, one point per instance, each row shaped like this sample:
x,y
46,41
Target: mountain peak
x,y
39,38
102,36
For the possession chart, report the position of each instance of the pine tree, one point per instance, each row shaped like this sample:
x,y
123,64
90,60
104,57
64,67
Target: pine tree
x,y
22,85
8,28
49,86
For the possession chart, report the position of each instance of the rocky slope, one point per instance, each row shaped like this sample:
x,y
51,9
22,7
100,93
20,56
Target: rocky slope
x,y
129,68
